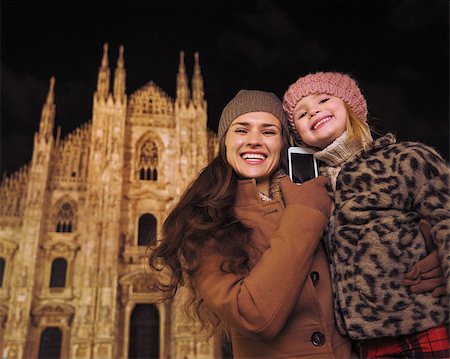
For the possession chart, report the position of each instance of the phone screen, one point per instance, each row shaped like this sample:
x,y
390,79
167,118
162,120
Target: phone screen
x,y
302,167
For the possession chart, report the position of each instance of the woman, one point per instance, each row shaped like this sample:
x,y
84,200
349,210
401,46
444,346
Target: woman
x,y
247,240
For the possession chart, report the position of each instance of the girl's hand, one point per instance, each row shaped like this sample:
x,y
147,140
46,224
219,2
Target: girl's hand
x,y
426,275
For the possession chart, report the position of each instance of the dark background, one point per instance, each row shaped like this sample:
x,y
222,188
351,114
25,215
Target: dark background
x,y
398,51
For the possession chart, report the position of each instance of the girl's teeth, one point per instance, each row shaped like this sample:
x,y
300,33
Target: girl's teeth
x,y
321,121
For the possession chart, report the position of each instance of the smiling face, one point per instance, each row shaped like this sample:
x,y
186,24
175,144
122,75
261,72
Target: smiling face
x,y
253,147
320,119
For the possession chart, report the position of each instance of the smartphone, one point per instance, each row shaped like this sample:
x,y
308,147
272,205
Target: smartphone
x,y
302,164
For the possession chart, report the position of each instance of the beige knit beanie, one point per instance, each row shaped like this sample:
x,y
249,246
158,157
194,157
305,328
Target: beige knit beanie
x,y
247,101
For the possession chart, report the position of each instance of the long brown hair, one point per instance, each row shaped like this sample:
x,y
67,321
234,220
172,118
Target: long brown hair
x,y
204,215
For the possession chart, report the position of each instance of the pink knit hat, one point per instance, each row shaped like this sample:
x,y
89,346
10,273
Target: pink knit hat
x,y
332,83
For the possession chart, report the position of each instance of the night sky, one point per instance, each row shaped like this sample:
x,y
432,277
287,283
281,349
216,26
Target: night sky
x,y
398,51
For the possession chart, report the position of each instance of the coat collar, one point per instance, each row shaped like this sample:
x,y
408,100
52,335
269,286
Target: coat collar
x,y
249,206
377,144
247,194
384,141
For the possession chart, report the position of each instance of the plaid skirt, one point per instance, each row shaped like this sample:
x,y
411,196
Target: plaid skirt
x,y
431,343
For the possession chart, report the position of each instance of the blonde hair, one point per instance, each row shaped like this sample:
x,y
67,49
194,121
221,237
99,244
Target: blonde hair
x,y
357,128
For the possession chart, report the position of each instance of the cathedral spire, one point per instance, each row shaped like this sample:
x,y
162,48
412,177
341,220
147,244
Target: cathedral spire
x,y
119,77
51,92
198,94
48,112
182,83
103,75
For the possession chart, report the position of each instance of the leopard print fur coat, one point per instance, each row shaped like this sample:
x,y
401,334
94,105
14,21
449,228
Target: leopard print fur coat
x,y
381,194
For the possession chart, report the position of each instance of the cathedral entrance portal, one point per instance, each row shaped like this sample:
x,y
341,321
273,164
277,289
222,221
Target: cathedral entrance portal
x,y
144,332
50,343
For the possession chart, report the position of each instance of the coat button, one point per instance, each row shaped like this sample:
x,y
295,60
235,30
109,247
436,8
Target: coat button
x,y
314,277
318,339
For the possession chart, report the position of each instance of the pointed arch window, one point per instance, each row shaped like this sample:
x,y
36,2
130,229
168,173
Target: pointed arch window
x,y
2,270
147,230
65,218
50,343
58,273
148,161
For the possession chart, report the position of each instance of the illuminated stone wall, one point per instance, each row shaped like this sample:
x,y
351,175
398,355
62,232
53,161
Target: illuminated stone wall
x,y
69,221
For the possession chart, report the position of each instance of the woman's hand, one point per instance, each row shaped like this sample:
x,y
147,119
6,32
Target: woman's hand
x,y
311,193
426,275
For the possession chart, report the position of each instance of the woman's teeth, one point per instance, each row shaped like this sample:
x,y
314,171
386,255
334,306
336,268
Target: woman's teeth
x,y
252,156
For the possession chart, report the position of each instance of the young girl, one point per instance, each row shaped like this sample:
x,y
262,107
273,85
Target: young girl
x,y
381,190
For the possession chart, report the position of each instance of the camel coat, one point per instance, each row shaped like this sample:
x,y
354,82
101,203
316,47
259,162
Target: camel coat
x,y
283,307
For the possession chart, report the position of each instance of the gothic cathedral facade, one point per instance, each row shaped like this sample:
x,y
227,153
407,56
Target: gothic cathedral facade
x,y
77,222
